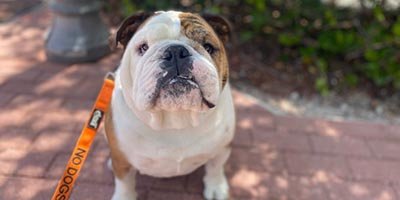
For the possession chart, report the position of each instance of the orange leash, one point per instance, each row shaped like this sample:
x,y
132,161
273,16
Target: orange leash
x,y
82,147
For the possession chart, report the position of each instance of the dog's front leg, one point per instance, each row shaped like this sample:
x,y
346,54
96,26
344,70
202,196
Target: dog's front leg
x,y
215,183
124,182
124,172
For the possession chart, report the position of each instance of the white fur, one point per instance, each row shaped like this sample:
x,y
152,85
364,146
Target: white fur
x,y
165,153
139,76
165,142
125,188
215,183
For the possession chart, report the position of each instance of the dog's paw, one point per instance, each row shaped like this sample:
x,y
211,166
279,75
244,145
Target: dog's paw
x,y
124,196
109,164
216,191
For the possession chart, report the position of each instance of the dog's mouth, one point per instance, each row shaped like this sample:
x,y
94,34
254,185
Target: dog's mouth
x,y
180,92
179,85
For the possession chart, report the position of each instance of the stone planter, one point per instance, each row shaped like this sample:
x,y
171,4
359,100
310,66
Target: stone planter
x,y
77,33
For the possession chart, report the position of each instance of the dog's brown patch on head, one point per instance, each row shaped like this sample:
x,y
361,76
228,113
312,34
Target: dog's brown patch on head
x,y
197,29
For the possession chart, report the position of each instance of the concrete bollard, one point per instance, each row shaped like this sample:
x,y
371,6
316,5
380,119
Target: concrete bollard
x,y
77,33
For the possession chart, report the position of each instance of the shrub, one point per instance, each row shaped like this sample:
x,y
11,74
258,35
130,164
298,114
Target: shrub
x,y
338,47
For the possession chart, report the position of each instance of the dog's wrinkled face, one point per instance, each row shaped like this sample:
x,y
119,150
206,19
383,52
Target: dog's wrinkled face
x,y
176,61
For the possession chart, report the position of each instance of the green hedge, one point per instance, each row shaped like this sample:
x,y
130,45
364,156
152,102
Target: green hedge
x,y
338,47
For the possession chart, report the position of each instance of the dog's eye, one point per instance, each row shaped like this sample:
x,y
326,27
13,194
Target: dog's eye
x,y
209,48
143,48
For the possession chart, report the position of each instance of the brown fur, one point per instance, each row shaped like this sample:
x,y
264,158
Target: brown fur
x,y
129,26
197,29
220,25
120,164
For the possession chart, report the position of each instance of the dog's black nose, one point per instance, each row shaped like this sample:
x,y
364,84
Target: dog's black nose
x,y
175,52
178,60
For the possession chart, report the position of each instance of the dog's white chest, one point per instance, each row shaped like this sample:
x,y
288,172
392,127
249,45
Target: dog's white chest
x,y
174,165
171,152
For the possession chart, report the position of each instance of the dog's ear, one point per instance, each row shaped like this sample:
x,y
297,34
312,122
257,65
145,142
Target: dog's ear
x,y
128,28
220,25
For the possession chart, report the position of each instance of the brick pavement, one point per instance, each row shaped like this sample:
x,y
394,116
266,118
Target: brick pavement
x,y
43,106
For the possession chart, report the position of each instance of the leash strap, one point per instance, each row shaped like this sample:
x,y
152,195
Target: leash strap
x,y
82,147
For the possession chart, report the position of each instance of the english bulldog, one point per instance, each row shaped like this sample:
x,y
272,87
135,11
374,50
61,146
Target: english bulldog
x,y
171,110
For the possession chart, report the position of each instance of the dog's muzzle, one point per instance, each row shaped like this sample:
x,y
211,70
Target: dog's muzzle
x,y
177,78
177,65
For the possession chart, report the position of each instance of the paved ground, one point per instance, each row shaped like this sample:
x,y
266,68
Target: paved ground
x,y
43,106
